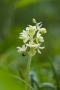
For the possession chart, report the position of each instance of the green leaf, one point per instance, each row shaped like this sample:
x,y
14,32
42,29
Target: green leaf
x,y
7,82
48,85
22,3
20,79
54,71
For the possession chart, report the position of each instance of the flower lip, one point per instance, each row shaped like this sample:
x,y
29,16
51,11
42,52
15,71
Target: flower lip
x,y
31,46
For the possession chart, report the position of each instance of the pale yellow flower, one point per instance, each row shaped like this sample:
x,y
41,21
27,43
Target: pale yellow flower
x,y
32,39
22,49
24,36
32,52
31,30
42,30
39,38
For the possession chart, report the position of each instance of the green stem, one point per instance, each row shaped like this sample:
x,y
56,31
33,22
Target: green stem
x,y
28,69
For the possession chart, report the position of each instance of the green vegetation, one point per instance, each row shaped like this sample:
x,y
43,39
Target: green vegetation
x,y
15,15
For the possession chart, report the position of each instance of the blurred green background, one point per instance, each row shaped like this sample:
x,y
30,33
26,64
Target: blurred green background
x,y
15,15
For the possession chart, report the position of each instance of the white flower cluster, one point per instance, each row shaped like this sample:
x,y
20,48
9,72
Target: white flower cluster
x,y
32,39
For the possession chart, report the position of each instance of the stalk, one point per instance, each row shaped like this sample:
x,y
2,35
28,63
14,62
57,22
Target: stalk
x,y
27,74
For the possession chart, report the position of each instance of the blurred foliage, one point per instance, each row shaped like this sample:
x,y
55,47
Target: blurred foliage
x,y
15,15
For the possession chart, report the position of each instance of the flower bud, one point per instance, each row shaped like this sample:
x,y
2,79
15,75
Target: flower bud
x,y
34,21
42,30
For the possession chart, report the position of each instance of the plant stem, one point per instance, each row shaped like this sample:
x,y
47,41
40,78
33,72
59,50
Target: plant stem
x,y
27,74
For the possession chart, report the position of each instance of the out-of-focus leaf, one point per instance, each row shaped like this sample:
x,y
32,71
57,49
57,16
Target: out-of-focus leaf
x,y
48,85
55,74
22,3
7,82
23,81
11,59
